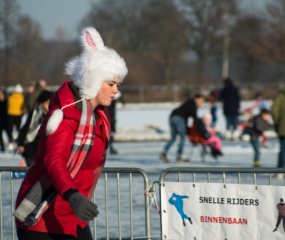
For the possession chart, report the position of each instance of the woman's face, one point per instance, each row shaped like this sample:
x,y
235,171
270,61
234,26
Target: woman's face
x,y
107,93
45,106
2,96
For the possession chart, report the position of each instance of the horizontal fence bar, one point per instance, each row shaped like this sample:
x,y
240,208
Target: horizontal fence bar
x,y
180,170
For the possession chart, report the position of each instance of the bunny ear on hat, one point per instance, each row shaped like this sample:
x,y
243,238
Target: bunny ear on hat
x,y
91,39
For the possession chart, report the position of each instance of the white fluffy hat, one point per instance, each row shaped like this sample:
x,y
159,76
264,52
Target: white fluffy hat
x,y
96,64
18,88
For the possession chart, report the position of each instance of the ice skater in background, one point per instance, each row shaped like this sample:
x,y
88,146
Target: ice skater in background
x,y
259,124
281,214
177,201
178,126
259,104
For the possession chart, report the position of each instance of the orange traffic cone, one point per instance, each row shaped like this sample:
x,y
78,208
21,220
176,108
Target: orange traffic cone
x,y
23,163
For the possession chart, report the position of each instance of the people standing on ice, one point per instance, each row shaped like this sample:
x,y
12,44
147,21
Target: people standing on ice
x,y
230,98
259,124
28,139
112,112
281,214
177,201
72,150
16,109
4,120
178,126
278,115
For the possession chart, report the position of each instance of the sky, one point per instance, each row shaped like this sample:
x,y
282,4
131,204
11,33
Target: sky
x,y
67,14
53,14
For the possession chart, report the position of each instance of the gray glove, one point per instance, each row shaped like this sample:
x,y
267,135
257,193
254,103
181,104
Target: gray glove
x,y
82,207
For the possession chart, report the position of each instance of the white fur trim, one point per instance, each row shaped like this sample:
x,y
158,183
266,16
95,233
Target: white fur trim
x,y
95,65
54,121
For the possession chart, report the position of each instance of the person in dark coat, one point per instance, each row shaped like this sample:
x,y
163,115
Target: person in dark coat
x,y
112,113
231,103
281,214
278,116
178,126
28,139
3,120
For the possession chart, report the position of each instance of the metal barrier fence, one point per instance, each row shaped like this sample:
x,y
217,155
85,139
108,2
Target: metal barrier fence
x,y
119,195
124,208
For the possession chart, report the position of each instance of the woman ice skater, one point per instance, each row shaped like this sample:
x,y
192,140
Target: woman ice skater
x,y
54,199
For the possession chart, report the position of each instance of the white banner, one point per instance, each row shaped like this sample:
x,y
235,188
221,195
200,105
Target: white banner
x,y
206,211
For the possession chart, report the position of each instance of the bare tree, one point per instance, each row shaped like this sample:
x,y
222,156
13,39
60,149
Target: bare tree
x,y
252,29
206,26
28,45
118,22
8,18
165,32
271,47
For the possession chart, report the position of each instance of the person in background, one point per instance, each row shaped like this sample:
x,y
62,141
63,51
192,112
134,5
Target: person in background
x,y
28,139
231,103
259,104
281,214
259,124
207,139
16,109
29,101
72,149
212,98
3,120
278,116
112,112
39,86
178,126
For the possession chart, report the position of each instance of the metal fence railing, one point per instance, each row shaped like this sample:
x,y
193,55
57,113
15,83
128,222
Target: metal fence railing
x,y
124,212
124,208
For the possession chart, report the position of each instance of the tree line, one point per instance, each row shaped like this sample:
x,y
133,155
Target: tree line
x,y
185,42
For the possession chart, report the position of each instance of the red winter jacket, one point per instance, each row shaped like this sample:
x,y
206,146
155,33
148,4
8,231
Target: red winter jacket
x,y
52,156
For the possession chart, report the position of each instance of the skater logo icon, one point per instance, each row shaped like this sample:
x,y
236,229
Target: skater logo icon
x,y
177,201
18,175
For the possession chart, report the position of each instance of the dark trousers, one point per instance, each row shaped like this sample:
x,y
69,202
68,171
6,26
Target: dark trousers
x,y
2,129
281,155
82,234
13,121
256,147
279,221
232,122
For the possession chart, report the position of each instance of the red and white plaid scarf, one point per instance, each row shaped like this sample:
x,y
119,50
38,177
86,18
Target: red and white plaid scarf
x,y
32,206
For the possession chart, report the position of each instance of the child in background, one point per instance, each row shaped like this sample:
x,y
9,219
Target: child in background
x,y
259,104
259,124
202,133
